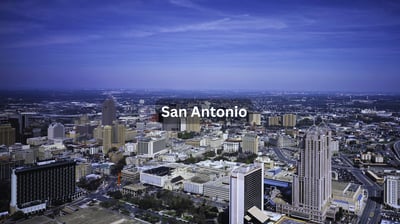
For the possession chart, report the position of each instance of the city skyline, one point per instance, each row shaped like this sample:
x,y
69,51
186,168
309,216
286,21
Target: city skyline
x,y
296,158
181,44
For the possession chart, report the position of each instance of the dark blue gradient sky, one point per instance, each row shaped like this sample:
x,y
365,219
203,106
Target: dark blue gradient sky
x,y
205,44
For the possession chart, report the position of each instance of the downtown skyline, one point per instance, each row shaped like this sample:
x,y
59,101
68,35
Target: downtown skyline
x,y
220,45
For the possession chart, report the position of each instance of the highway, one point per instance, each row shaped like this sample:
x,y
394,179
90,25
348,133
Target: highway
x,y
282,157
396,148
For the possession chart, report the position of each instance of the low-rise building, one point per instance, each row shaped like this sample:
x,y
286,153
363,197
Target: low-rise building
x,y
133,190
218,189
130,175
348,196
195,184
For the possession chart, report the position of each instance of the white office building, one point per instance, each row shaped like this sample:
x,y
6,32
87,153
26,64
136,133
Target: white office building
x,y
246,191
392,191
312,185
56,131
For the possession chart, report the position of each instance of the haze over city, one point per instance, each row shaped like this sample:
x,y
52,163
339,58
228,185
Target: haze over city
x,y
182,44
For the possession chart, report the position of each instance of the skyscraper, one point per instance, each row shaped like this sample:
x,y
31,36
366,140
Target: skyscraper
x,y
250,143
108,115
312,185
246,191
289,120
392,191
107,138
7,134
254,118
56,131
33,188
193,124
119,134
274,121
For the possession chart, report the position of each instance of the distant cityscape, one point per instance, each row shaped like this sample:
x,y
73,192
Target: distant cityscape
x,y
109,156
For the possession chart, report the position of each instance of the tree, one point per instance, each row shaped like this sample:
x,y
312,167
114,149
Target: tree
x,y
209,154
119,166
223,217
91,185
186,135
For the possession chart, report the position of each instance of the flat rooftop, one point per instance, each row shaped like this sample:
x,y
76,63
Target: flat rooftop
x,y
289,220
200,179
135,187
159,171
344,189
50,164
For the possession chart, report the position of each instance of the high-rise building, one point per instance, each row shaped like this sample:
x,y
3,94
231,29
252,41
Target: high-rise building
x,y
312,185
392,191
7,134
254,118
110,136
289,120
274,121
56,131
119,134
35,187
150,146
193,124
246,191
250,143
173,123
109,114
82,170
107,138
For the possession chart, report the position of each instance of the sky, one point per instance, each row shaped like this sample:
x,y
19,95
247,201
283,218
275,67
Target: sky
x,y
205,44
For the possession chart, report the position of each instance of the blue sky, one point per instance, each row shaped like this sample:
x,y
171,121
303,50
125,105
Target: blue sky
x,y
204,44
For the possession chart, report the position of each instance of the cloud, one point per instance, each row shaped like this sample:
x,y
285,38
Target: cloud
x,y
188,4
228,24
56,40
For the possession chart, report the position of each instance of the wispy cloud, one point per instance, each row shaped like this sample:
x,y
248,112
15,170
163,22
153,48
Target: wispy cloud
x,y
190,5
185,3
55,40
227,24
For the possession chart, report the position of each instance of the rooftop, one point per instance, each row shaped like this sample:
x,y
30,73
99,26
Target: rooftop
x,y
159,171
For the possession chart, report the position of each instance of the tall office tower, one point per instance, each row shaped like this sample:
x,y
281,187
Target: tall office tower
x,y
193,124
109,114
254,118
289,120
107,138
391,191
119,134
274,121
7,134
246,191
173,123
250,143
56,131
35,187
312,186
